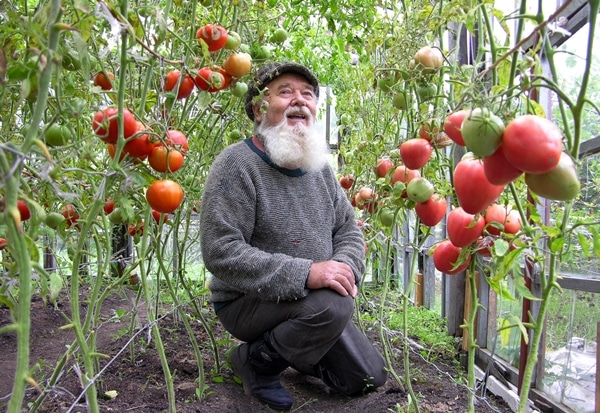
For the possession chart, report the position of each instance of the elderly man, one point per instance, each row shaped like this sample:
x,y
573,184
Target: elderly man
x,y
280,238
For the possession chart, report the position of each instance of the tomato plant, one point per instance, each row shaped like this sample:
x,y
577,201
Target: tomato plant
x,y
214,36
23,210
432,211
186,85
446,257
105,124
104,80
238,64
164,195
532,144
473,190
482,131
415,153
165,159
464,228
560,183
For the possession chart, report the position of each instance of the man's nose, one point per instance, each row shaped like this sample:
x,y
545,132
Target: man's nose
x,y
298,99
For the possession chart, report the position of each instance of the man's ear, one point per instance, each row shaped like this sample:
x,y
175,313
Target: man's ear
x,y
259,109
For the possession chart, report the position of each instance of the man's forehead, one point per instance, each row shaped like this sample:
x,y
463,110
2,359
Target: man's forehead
x,y
287,80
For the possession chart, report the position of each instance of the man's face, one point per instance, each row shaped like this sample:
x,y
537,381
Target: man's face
x,y
285,92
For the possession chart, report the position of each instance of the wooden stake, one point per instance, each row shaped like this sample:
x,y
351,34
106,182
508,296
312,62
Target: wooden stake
x,y
419,290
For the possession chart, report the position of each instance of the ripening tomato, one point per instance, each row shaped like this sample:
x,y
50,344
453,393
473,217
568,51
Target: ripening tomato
x,y
446,258
453,125
186,85
366,198
415,153
384,165
464,228
105,124
112,151
178,140
498,219
165,159
3,243
70,213
432,211
136,229
209,80
23,210
104,80
498,170
473,190
532,144
164,195
429,59
428,130
560,184
347,181
233,40
238,64
158,216
213,35
482,131
227,78
109,206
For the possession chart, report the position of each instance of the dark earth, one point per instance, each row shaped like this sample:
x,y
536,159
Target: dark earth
x,y
135,371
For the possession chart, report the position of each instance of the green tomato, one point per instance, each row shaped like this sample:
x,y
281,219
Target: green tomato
x,y
419,189
426,91
233,40
54,220
482,131
279,36
259,51
57,135
239,89
399,101
386,217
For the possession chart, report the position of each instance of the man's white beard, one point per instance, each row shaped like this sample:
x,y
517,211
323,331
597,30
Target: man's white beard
x,y
297,146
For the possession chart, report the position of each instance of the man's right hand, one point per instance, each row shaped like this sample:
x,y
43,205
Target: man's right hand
x,y
332,274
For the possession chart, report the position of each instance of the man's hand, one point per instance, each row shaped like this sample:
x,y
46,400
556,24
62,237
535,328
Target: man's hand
x,y
332,274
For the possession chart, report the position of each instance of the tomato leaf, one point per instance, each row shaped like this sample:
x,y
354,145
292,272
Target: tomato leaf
x,y
557,244
522,289
583,242
596,242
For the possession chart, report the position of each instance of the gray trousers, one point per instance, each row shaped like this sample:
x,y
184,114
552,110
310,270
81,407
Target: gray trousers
x,y
315,335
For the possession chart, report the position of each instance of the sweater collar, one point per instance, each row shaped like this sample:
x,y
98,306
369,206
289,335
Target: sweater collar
x,y
257,147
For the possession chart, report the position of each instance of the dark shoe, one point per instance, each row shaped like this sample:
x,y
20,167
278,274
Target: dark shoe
x,y
259,368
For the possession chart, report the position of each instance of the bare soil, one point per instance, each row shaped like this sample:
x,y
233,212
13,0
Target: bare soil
x,y
133,369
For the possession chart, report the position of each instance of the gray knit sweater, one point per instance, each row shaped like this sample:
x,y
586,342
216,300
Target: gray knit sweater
x,y
261,227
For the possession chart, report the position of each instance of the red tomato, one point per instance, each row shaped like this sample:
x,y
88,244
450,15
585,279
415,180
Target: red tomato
x,y
347,181
3,243
499,219
136,229
498,170
104,80
365,198
109,206
112,151
384,165
70,213
164,195
532,144
428,130
157,216
105,124
186,86
214,36
404,174
453,124
431,211
139,146
473,190
164,159
209,80
464,228
178,140
23,210
560,184
415,153
446,256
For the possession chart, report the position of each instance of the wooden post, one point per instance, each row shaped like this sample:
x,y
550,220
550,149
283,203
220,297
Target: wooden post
x,y
419,290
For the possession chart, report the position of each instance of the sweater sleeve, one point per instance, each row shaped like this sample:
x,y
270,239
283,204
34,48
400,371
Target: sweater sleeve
x,y
227,220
